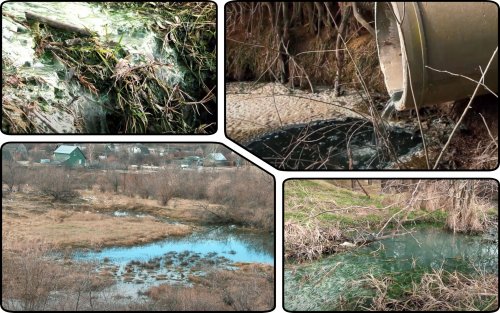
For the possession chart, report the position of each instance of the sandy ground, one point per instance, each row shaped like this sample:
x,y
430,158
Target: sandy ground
x,y
255,109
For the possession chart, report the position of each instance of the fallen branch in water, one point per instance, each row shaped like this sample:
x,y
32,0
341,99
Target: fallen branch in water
x,y
377,238
57,24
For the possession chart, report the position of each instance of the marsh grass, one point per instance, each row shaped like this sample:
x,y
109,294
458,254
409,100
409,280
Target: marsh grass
x,y
254,291
30,277
436,291
77,229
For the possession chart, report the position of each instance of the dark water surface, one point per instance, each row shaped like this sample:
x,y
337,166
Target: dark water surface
x,y
323,145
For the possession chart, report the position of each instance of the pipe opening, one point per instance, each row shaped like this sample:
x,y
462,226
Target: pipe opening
x,y
390,46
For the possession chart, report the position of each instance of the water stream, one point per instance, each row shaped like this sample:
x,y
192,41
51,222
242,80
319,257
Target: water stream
x,y
321,284
390,105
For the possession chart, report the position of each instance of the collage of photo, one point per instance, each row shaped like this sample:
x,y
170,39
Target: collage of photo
x,y
249,156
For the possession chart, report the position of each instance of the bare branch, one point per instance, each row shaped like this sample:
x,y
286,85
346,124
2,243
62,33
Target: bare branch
x,y
465,110
466,77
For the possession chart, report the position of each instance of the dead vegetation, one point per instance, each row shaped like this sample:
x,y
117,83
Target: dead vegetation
x,y
439,291
30,278
309,242
67,228
210,197
218,197
295,43
218,291
139,99
466,202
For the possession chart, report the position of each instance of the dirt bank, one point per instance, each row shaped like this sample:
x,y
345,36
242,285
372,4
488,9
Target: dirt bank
x,y
255,109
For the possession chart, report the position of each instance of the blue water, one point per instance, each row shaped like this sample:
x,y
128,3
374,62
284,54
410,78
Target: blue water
x,y
233,244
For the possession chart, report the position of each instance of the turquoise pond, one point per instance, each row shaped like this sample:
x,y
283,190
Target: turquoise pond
x,y
320,285
229,242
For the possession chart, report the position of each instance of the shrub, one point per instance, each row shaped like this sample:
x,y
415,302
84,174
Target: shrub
x,y
57,182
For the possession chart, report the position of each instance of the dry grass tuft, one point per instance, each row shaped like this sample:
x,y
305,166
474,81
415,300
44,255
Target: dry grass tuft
x,y
254,291
441,291
309,242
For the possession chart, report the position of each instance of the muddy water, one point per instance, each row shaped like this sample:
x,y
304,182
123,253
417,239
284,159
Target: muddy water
x,y
172,260
324,145
321,285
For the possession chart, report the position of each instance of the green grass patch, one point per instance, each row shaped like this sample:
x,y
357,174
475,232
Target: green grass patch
x,y
306,198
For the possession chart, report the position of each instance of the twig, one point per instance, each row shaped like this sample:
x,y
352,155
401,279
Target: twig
x,y
489,132
463,76
317,51
361,19
427,160
406,207
57,24
327,273
465,110
276,108
366,193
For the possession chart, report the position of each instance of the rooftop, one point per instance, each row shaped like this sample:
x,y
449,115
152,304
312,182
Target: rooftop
x,y
65,149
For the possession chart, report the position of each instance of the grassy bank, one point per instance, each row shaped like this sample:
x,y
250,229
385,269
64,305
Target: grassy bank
x,y
62,228
324,203
320,215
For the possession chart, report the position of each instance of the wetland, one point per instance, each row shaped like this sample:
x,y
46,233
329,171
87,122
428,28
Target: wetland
x,y
376,252
95,241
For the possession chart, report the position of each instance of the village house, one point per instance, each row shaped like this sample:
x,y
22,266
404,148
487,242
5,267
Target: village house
x,y
70,156
215,159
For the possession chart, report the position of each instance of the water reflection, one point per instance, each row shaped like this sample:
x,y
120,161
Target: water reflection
x,y
230,242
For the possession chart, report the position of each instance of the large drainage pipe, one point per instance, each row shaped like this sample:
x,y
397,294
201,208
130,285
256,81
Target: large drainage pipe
x,y
414,39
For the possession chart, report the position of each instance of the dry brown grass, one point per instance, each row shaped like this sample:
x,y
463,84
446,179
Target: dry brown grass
x,y
178,298
77,229
463,200
310,241
176,208
250,288
192,195
253,46
441,291
30,278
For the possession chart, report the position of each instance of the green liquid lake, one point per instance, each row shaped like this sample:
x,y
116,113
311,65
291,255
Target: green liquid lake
x,y
322,284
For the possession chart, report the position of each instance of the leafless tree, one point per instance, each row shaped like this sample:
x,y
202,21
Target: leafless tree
x,y
13,174
56,182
